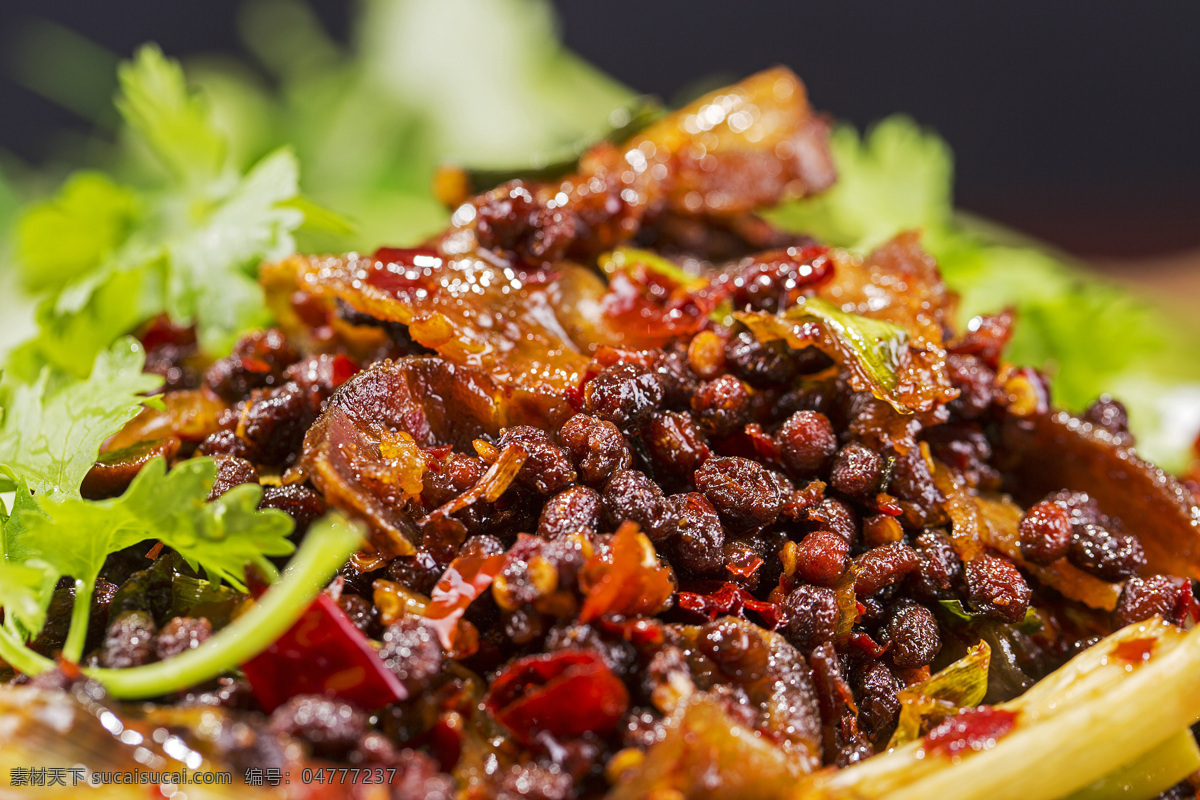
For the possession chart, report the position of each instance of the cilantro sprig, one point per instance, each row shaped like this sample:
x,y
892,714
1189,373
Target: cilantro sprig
x,y
73,536
51,430
327,546
187,241
49,438
50,435
105,257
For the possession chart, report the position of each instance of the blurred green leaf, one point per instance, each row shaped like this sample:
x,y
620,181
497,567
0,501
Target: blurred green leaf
x,y
60,239
211,280
897,176
73,328
108,257
25,592
173,122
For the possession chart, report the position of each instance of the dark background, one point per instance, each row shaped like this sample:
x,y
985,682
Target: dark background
x,y
1077,121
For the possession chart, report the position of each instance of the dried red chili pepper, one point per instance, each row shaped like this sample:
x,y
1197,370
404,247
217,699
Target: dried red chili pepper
x,y
1185,605
446,739
439,451
864,642
640,631
403,255
323,653
730,599
575,393
565,694
626,581
342,370
651,300
765,447
652,310
399,271
465,579
744,566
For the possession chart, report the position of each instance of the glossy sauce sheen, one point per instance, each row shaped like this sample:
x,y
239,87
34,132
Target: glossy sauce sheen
x,y
1134,651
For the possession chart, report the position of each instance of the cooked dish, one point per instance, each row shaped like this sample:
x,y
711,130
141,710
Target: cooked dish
x,y
655,500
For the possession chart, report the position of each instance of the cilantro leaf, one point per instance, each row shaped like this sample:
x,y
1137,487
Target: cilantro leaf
x,y
25,591
74,536
74,327
113,256
222,536
196,264
326,547
52,431
23,505
26,585
71,234
206,281
172,121
1084,332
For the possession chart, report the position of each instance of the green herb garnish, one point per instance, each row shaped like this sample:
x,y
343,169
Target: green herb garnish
x,y
186,244
52,429
326,547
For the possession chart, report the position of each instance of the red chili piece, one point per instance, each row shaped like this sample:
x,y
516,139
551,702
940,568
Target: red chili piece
x,y
730,599
403,255
575,393
868,645
641,632
975,729
1185,605
565,694
399,271
446,740
766,448
886,504
323,653
744,568
343,370
645,303
313,312
465,579
628,581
